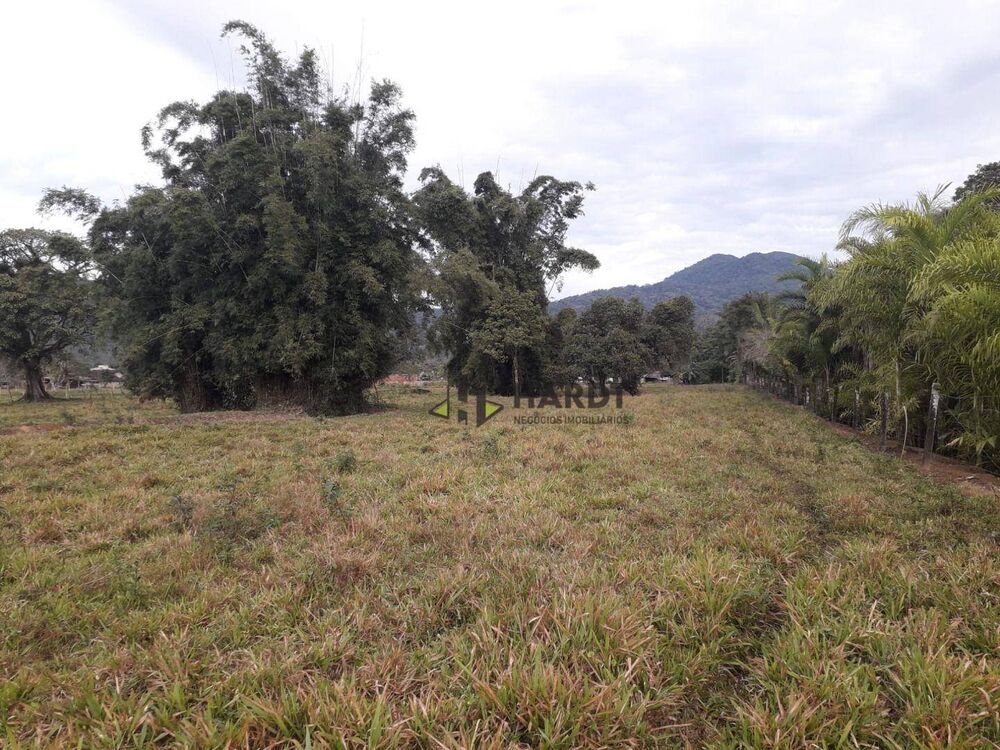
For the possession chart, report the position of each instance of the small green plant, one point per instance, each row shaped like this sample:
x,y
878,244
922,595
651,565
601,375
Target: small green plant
x,y
491,445
67,417
332,497
345,462
236,522
182,512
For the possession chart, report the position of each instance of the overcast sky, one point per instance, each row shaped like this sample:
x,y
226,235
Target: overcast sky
x,y
707,127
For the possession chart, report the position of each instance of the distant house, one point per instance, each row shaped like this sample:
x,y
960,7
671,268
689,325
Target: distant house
x,y
105,374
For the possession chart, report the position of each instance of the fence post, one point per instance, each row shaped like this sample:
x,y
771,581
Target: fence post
x,y
932,419
831,398
884,407
856,412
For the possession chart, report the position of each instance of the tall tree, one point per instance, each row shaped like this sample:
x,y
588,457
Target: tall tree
x,y
490,246
739,339
558,368
669,333
872,293
276,264
608,342
960,334
47,301
986,177
514,324
807,340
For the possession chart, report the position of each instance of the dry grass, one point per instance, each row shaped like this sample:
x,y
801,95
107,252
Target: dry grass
x,y
76,408
724,571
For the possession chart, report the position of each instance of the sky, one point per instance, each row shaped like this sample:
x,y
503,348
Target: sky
x,y
709,127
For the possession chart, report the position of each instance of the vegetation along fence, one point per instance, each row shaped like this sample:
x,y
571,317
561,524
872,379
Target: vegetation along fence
x,y
869,411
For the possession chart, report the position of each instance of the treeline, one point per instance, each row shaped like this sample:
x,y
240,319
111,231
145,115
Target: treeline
x,y
913,312
282,262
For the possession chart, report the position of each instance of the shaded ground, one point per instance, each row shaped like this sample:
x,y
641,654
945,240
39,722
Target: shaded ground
x,y
724,570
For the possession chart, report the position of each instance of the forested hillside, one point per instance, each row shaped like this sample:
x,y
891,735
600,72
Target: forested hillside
x,y
710,283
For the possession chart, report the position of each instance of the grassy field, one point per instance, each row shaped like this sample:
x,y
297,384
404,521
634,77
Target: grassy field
x,y
721,571
77,408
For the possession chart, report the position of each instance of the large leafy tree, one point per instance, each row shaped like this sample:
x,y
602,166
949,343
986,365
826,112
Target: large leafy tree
x,y
494,251
276,263
709,360
960,333
607,342
514,323
669,333
47,301
558,368
986,177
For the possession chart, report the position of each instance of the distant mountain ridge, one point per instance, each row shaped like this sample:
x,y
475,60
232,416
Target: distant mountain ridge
x,y
710,283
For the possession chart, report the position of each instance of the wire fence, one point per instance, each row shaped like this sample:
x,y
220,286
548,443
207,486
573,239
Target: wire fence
x,y
870,411
12,392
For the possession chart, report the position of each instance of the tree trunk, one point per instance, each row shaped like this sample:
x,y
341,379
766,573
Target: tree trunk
x,y
34,383
517,379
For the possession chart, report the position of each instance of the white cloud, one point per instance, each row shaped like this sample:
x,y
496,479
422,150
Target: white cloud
x,y
708,127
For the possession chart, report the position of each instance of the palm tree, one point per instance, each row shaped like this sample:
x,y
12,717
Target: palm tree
x,y
960,334
806,336
882,308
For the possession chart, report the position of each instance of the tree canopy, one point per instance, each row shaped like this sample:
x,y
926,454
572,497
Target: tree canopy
x,y
277,262
496,255
608,343
48,302
986,177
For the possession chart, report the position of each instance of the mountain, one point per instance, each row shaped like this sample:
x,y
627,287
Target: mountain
x,y
710,283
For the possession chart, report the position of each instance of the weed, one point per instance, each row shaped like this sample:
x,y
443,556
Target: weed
x,y
333,498
182,513
491,447
237,521
345,462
